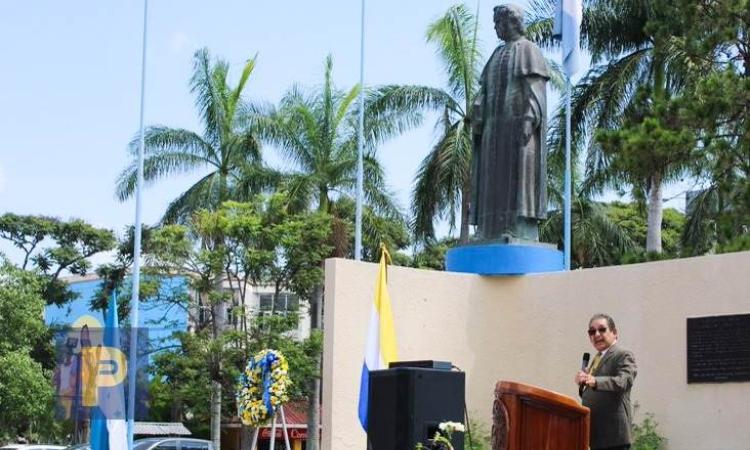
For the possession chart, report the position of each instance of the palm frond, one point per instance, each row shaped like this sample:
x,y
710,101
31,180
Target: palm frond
x,y
209,97
454,36
700,225
168,151
236,96
539,23
611,28
440,179
203,194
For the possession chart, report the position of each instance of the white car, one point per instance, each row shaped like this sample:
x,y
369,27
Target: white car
x,y
32,447
172,443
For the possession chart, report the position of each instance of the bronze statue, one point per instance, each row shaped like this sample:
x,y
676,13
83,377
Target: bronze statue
x,y
509,120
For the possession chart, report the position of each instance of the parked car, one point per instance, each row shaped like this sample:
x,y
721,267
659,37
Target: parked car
x,y
84,446
33,447
172,443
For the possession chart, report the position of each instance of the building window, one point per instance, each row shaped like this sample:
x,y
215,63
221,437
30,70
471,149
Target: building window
x,y
266,302
283,303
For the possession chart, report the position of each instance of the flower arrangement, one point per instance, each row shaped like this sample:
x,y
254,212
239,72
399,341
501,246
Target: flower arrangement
x,y
262,387
442,438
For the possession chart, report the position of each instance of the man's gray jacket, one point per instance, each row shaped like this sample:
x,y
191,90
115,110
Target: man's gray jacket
x,y
609,401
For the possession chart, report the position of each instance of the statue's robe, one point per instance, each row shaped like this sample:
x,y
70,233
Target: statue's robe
x,y
508,174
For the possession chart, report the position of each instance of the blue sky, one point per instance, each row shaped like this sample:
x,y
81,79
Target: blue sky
x,y
70,86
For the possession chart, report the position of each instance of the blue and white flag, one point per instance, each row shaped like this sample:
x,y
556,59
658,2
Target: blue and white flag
x,y
108,426
568,18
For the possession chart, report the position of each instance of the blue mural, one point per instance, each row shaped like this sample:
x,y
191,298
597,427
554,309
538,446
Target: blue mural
x,y
80,328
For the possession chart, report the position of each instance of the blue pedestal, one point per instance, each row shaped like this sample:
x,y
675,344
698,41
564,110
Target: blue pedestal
x,y
504,259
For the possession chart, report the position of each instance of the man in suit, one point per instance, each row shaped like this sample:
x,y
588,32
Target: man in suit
x,y
606,387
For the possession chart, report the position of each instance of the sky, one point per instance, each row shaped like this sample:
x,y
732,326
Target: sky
x,y
70,88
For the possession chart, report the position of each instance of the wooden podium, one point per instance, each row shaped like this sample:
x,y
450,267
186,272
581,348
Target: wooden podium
x,y
527,417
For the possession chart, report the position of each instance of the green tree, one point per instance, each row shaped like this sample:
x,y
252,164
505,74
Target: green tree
x,y
632,219
25,386
626,54
443,178
596,239
391,230
257,243
650,149
432,254
714,37
227,147
53,247
317,131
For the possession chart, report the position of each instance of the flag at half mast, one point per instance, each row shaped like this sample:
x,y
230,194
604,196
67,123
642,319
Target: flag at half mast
x,y
380,348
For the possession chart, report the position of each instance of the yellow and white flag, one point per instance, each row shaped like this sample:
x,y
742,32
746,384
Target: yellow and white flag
x,y
380,348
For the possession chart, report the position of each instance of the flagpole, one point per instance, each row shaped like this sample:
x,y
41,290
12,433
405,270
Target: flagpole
x,y
134,301
567,195
360,143
567,27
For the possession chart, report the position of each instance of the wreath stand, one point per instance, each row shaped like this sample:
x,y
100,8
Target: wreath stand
x,y
273,432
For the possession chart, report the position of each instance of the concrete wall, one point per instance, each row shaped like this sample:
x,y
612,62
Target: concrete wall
x,y
533,329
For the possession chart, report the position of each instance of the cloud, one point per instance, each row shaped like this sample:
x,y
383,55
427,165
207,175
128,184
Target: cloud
x,y
179,42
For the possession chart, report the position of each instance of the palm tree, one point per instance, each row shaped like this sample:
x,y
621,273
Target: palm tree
x,y
317,132
625,56
443,178
596,240
227,148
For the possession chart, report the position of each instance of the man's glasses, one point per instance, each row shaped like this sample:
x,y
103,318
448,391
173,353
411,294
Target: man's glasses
x,y
601,330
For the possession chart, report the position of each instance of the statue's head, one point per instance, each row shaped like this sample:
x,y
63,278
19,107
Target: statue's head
x,y
509,22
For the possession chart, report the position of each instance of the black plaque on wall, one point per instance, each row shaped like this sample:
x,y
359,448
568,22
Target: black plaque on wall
x,y
718,349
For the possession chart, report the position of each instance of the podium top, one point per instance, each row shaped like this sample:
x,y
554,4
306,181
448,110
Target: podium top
x,y
527,390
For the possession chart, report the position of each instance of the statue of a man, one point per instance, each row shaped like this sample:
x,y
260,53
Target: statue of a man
x,y
509,189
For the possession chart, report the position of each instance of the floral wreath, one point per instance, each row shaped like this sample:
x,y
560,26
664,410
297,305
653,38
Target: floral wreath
x,y
262,387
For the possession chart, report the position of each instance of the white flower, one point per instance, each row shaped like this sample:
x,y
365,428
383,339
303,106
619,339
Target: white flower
x,y
451,427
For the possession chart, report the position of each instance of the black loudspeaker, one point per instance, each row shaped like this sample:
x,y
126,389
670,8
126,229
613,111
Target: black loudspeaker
x,y
406,404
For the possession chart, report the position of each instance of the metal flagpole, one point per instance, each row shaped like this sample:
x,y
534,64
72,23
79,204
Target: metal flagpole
x,y
567,194
360,144
134,300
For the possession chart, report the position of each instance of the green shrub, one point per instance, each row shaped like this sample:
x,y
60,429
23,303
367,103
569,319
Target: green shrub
x,y
739,244
646,437
480,437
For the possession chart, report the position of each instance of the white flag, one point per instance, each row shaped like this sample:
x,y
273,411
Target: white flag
x,y
568,18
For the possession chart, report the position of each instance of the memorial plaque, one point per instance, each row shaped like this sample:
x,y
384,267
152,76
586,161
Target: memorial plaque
x,y
718,349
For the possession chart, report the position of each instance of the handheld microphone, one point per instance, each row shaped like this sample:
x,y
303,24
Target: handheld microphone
x,y
584,365
586,359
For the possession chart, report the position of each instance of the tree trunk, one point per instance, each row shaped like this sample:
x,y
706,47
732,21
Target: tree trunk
x,y
219,310
465,199
313,415
655,214
216,414
313,408
316,308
